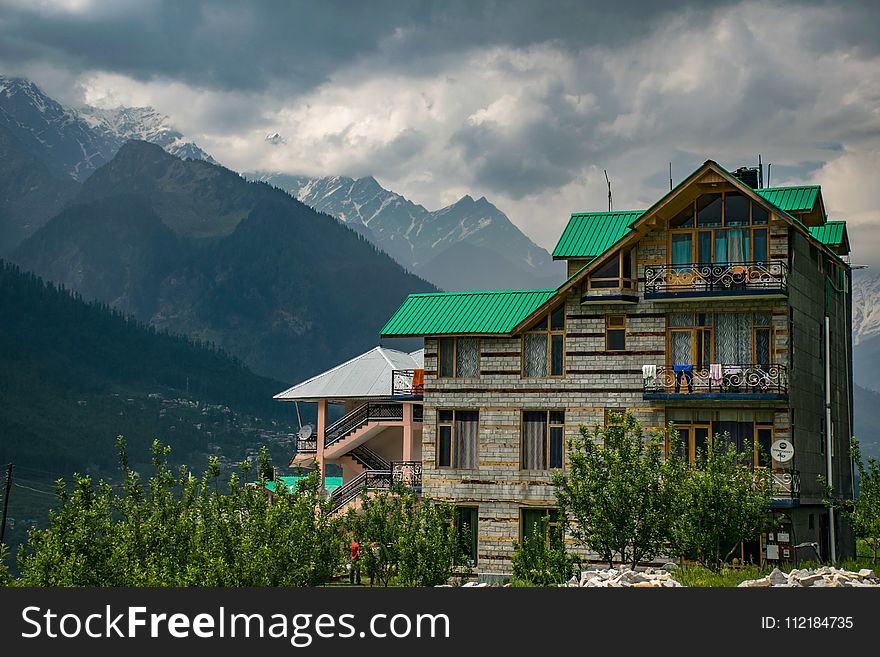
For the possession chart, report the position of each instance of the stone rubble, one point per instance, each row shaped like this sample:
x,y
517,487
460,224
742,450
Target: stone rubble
x,y
824,576
623,576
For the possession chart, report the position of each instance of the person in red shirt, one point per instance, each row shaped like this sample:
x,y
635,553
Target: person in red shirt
x,y
355,554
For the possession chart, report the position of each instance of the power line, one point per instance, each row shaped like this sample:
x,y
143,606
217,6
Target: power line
x,y
18,485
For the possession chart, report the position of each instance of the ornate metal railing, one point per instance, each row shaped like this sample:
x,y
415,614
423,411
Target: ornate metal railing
x,y
359,417
786,485
307,446
733,378
769,275
407,383
408,473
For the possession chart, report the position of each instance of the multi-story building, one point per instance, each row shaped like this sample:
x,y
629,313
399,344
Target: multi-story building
x,y
723,308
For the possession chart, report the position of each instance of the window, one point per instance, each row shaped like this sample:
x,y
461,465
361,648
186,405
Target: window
x,y
752,430
544,346
616,272
532,521
729,229
542,440
457,439
459,357
615,332
700,339
466,520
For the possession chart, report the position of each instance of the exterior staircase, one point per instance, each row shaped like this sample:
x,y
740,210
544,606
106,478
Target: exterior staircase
x,y
353,429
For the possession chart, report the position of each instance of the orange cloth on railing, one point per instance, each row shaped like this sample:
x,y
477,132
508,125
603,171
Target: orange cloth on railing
x,y
418,384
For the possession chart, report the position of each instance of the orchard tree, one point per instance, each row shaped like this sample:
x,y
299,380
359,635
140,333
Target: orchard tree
x,y
863,512
542,559
720,501
614,490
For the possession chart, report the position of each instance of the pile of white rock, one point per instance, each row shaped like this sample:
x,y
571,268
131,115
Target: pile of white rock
x,y
624,576
824,576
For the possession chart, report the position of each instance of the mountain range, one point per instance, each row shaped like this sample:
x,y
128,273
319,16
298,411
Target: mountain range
x,y
468,245
75,142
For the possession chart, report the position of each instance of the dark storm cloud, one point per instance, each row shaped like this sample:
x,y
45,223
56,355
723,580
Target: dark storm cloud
x,y
226,44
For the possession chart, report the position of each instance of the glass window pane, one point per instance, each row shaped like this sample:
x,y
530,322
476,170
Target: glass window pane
x,y
557,417
616,339
762,346
555,447
467,361
721,246
736,209
557,354
759,214
682,353
610,269
704,247
557,319
701,440
709,210
680,319
447,357
684,219
684,437
765,440
535,354
760,254
444,416
681,250
444,446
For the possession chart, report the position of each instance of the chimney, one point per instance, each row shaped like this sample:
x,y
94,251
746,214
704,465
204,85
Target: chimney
x,y
749,175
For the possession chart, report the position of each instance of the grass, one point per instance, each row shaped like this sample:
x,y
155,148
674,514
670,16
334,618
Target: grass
x,y
693,575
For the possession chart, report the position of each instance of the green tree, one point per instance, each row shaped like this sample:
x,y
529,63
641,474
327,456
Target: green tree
x,y
413,539
542,559
862,512
614,491
5,576
181,530
720,501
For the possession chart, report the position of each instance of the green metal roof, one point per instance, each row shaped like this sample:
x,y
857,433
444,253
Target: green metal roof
x,y
330,483
792,199
589,234
455,313
832,233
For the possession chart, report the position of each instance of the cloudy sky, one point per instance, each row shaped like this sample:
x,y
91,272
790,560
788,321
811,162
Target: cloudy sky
x,y
522,102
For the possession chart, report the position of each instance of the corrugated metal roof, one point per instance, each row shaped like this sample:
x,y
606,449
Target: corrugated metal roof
x,y
456,313
362,377
832,233
589,234
792,199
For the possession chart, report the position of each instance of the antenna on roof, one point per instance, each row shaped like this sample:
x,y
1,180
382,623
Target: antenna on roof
x,y
670,176
760,173
768,173
608,182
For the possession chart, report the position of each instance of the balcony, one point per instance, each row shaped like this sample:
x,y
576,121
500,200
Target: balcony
x,y
735,382
307,445
767,279
407,384
786,489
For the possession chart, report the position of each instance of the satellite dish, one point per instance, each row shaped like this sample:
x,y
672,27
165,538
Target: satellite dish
x,y
305,432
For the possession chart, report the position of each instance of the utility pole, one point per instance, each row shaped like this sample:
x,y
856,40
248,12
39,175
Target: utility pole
x,y
6,501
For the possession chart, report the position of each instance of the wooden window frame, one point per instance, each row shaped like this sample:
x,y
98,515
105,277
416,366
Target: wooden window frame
x,y
624,280
545,512
697,331
453,437
709,426
610,420
544,327
474,530
696,229
609,327
455,339
548,425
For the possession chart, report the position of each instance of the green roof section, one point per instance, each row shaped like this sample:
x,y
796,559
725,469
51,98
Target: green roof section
x,y
456,313
832,233
589,234
792,199
330,483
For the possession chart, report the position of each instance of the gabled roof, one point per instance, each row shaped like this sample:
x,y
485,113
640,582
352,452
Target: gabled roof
x,y
462,313
589,234
833,234
792,199
365,376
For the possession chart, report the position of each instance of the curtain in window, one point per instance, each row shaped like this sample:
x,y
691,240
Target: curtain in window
x,y
733,338
535,354
762,346
681,251
534,440
738,245
721,246
466,441
681,348
468,357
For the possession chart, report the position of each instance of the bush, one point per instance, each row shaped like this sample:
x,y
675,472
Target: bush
x,y
541,559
